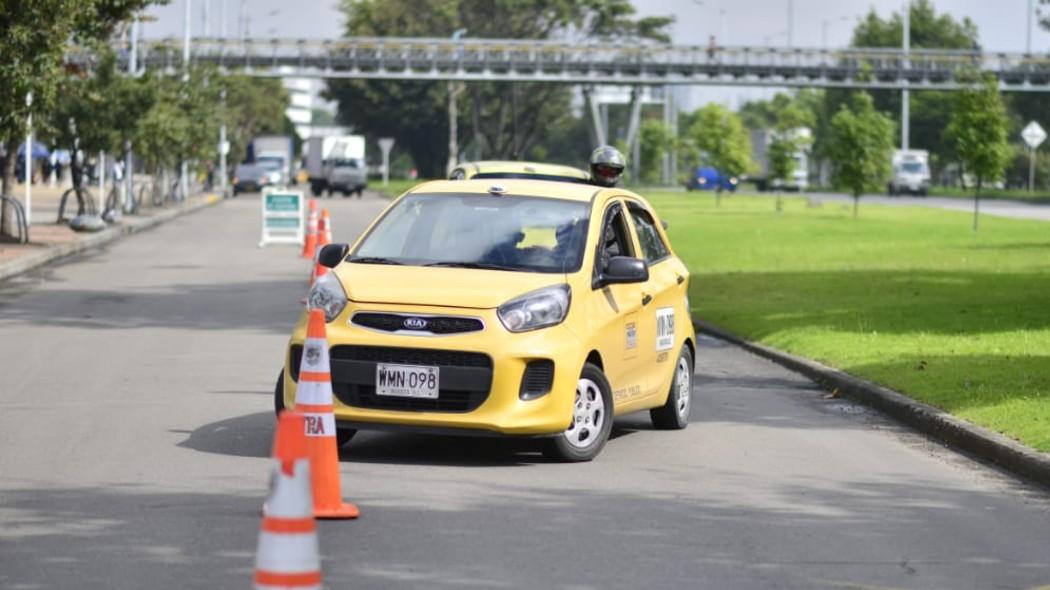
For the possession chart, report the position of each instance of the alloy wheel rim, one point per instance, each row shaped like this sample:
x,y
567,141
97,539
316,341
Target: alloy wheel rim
x,y
683,386
588,415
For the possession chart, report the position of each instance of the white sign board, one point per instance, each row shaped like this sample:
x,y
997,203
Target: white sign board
x,y
283,213
1033,134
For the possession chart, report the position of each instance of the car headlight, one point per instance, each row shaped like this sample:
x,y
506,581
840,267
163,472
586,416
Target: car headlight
x,y
275,177
327,294
538,309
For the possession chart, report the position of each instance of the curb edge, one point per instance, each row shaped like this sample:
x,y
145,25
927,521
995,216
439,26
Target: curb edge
x,y
106,237
942,426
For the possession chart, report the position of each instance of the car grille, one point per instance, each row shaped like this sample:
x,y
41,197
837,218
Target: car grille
x,y
393,322
465,379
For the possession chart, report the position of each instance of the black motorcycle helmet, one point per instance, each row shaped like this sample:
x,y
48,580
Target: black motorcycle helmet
x,y
607,164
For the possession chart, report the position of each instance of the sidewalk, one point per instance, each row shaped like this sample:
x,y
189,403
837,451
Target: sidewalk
x,y
49,240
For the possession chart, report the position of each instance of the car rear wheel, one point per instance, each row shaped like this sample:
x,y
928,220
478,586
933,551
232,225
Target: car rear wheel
x,y
592,419
674,414
342,435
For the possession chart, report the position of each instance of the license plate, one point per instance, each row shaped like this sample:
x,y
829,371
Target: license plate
x,y
407,381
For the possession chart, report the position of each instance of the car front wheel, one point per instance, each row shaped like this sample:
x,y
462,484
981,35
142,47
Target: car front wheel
x,y
592,419
674,414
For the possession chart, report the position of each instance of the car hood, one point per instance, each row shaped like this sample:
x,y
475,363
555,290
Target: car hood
x,y
440,287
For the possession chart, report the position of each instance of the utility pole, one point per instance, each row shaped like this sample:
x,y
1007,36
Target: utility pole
x,y
129,160
29,157
1028,31
183,173
453,114
905,123
224,146
222,19
791,23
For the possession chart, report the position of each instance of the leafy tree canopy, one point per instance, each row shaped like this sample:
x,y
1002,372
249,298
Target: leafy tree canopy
x,y
861,143
719,134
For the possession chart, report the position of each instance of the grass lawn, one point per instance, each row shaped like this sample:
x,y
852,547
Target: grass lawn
x,y
907,297
395,188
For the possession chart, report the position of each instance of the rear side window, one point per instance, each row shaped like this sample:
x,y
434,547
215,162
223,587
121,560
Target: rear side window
x,y
653,247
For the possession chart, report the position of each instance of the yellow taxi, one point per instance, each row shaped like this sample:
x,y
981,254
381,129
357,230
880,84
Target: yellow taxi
x,y
511,169
509,307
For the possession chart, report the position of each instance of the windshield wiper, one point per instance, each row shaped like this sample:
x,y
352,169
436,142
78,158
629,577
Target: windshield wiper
x,y
481,265
375,260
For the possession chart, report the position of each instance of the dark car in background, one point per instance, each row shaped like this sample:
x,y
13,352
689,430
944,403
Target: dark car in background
x,y
254,177
706,178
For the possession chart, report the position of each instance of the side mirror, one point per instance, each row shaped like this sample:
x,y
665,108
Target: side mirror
x,y
624,269
663,223
332,254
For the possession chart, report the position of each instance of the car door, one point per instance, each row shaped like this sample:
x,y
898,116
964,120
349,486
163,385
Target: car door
x,y
616,311
666,309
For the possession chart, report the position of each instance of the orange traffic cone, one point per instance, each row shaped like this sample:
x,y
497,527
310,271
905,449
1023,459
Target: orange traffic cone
x,y
287,554
326,233
314,400
310,245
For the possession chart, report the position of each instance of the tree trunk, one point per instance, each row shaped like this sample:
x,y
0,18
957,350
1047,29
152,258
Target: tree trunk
x,y
8,220
977,203
780,201
856,204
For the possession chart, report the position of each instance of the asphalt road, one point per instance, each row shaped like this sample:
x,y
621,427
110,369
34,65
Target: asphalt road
x,y
135,425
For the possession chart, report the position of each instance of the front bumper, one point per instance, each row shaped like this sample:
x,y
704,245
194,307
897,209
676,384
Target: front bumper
x,y
472,397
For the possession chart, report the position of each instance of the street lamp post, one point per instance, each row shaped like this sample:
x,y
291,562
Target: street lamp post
x,y
453,114
791,24
29,157
904,92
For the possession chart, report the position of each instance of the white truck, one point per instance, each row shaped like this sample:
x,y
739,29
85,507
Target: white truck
x,y
336,164
911,173
274,153
760,141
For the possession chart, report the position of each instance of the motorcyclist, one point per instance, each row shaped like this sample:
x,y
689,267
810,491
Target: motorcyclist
x,y
606,166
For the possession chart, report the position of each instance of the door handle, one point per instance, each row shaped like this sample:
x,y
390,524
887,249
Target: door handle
x,y
646,299
680,279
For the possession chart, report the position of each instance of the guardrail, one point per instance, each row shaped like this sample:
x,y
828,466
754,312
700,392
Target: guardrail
x,y
595,63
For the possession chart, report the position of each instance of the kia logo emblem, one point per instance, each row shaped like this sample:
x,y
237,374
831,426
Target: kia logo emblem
x,y
414,323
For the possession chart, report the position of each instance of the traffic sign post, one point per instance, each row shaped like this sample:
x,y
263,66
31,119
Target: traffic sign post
x,y
282,217
1033,135
386,144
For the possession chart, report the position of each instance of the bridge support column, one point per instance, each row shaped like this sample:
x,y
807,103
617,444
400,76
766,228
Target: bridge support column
x,y
633,143
597,128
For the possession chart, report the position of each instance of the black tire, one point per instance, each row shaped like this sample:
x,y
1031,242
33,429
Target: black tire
x,y
342,435
671,415
346,193
560,449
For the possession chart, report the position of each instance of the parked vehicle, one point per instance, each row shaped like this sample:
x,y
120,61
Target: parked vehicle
x,y
336,164
275,152
706,178
911,173
799,181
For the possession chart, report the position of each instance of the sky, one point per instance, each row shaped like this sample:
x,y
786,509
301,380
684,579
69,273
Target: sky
x,y
1001,24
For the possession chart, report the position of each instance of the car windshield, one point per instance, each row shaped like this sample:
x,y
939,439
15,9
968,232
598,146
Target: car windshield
x,y
515,233
270,162
912,167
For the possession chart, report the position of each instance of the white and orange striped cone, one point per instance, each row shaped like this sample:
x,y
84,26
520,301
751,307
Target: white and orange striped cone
x,y
314,399
324,237
287,555
310,245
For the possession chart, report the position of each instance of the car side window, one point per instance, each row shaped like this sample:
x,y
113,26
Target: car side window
x,y
614,240
653,246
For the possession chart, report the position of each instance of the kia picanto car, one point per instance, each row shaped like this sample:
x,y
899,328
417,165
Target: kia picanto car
x,y
509,307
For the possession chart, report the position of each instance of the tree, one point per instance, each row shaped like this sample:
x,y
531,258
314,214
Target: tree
x,y
860,147
719,135
791,134
978,132
655,140
928,115
34,36
496,120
